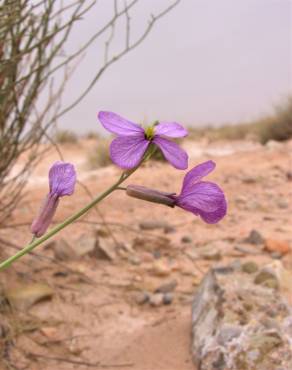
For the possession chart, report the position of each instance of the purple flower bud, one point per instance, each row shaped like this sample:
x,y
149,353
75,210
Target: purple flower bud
x,y
202,198
62,179
154,196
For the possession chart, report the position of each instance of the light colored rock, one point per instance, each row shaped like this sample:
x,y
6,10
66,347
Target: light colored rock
x,y
26,295
233,326
63,251
161,268
167,287
156,299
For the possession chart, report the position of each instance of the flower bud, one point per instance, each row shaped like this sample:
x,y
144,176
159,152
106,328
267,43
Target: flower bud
x,y
150,195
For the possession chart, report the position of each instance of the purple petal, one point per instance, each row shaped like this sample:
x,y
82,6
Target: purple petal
x,y
127,151
170,129
196,174
119,125
45,216
205,199
62,179
172,153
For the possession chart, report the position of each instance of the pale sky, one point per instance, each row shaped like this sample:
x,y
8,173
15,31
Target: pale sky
x,y
208,61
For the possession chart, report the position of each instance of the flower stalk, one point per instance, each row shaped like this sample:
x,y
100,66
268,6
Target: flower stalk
x,y
36,242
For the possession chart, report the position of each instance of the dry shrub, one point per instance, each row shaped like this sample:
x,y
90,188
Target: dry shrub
x,y
66,137
279,126
99,156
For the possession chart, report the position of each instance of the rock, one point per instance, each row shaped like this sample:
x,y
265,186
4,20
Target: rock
x,y
161,268
167,298
210,253
249,267
63,251
248,250
254,238
169,229
229,325
142,297
283,204
156,299
152,225
103,232
265,275
278,246
26,295
248,179
151,244
166,287
85,245
104,250
134,260
186,239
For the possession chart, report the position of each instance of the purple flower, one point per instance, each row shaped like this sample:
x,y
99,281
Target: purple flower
x,y
132,141
202,198
62,179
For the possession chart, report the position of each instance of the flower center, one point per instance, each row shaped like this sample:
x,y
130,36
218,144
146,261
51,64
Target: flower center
x,y
149,132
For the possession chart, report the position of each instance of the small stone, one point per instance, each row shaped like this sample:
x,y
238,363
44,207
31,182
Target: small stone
x,y
210,254
156,299
134,260
186,239
142,297
254,238
84,245
169,229
63,251
279,246
152,225
263,276
247,249
104,250
167,298
161,268
250,267
49,332
249,179
283,204
167,287
26,295
102,232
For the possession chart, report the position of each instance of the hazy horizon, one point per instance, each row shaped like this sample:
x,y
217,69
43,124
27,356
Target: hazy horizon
x,y
206,62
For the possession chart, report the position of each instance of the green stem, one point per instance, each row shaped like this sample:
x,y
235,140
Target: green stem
x,y
28,248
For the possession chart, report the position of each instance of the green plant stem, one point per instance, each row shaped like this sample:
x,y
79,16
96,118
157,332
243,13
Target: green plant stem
x,y
35,242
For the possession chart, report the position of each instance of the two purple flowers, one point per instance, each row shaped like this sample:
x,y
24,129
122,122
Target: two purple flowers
x,y
202,198
127,150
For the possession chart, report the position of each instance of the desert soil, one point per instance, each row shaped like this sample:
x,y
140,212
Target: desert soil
x,y
93,319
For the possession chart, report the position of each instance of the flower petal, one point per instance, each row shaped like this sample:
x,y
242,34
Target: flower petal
x,y
119,125
62,178
45,216
196,174
127,151
206,199
172,153
170,129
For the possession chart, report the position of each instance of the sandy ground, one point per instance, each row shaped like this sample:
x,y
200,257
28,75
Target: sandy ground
x,y
98,323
